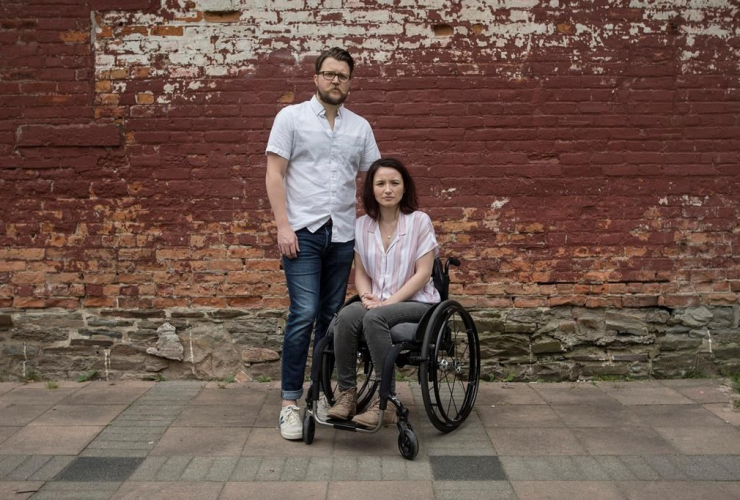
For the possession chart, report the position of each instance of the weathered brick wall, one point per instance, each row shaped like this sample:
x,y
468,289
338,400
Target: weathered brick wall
x,y
580,156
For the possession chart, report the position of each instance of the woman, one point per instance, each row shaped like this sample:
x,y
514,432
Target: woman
x,y
395,249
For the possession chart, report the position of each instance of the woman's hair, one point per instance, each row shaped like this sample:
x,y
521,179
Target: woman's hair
x,y
409,202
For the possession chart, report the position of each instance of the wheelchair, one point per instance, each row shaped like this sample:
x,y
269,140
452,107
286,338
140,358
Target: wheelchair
x,y
443,345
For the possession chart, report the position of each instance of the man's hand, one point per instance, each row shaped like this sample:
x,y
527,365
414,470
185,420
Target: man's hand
x,y
288,242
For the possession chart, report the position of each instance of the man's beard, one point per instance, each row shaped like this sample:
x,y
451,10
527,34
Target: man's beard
x,y
328,99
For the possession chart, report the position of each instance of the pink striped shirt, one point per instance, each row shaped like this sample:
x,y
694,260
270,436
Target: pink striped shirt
x,y
390,270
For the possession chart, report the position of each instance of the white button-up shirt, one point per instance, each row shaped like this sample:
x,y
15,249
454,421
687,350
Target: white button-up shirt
x,y
390,269
322,165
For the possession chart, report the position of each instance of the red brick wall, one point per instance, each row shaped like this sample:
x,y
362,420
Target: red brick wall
x,y
571,152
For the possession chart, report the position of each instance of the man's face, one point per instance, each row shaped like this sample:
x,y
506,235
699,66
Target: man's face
x,y
332,92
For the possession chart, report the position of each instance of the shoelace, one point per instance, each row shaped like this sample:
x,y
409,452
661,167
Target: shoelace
x,y
292,417
344,397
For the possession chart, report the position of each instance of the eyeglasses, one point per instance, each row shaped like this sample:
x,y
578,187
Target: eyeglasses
x,y
330,75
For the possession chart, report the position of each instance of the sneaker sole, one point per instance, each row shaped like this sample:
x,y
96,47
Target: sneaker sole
x,y
292,436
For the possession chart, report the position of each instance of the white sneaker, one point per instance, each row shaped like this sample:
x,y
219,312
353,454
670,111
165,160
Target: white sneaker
x,y
291,426
322,406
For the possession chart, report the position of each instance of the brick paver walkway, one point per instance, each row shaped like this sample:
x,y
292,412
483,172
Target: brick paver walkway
x,y
194,440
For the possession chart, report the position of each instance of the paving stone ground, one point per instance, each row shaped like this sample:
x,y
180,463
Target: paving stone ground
x,y
183,440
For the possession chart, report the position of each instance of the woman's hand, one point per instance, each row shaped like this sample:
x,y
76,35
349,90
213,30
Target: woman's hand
x,y
369,301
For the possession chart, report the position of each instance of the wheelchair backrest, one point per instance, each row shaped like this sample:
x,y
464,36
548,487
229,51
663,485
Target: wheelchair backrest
x,y
441,279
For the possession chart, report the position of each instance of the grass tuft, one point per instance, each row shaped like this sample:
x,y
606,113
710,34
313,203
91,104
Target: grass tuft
x,y
508,378
85,377
735,380
31,376
228,380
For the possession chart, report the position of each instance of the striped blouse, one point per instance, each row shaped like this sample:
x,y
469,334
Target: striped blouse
x,y
390,270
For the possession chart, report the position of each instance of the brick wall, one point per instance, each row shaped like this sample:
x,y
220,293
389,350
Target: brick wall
x,y
581,157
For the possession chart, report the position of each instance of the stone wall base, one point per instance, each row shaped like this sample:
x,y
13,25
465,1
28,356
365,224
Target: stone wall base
x,y
552,344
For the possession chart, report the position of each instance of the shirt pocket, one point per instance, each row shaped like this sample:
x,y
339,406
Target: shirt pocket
x,y
351,148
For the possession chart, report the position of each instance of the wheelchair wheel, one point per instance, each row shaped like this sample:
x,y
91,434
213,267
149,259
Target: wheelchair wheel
x,y
408,445
309,428
449,378
366,384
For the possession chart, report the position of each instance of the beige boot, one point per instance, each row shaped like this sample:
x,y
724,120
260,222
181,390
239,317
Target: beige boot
x,y
371,416
345,406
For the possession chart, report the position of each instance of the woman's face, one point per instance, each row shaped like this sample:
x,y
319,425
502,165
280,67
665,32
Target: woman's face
x,y
388,187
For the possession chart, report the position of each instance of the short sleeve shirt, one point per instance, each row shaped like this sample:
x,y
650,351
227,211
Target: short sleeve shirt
x,y
390,270
322,164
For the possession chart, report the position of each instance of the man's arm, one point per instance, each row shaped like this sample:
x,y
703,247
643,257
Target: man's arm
x,y
275,182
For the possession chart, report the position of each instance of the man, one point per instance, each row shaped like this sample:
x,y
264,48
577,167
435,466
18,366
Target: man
x,y
314,153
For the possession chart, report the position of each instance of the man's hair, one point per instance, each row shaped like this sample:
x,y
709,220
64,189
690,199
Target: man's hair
x,y
339,55
409,202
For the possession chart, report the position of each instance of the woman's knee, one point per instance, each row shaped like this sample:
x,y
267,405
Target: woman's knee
x,y
374,318
348,319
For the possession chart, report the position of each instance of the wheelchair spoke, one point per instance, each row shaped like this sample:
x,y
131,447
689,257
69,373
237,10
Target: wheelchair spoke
x,y
449,387
456,364
459,365
467,346
452,398
443,379
462,386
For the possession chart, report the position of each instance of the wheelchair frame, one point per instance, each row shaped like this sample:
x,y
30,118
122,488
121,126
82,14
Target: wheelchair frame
x,y
433,335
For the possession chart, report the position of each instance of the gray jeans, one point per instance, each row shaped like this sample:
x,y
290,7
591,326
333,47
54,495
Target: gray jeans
x,y
354,321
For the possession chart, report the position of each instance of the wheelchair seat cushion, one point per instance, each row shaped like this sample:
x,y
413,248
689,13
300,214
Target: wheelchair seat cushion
x,y
404,332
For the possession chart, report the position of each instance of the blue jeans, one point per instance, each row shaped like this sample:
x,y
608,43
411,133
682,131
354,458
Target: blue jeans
x,y
317,284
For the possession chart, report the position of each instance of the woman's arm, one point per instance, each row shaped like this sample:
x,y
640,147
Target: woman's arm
x,y
364,285
422,272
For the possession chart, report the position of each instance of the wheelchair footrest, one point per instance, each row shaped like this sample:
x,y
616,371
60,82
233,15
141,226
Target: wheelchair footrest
x,y
344,425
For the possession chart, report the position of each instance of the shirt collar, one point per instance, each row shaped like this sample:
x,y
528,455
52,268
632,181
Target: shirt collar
x,y
319,108
400,228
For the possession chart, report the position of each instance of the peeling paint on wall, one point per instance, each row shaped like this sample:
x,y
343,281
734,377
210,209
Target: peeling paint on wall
x,y
479,31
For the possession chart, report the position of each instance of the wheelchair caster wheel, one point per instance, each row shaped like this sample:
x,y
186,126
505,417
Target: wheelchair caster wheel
x,y
309,428
408,445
